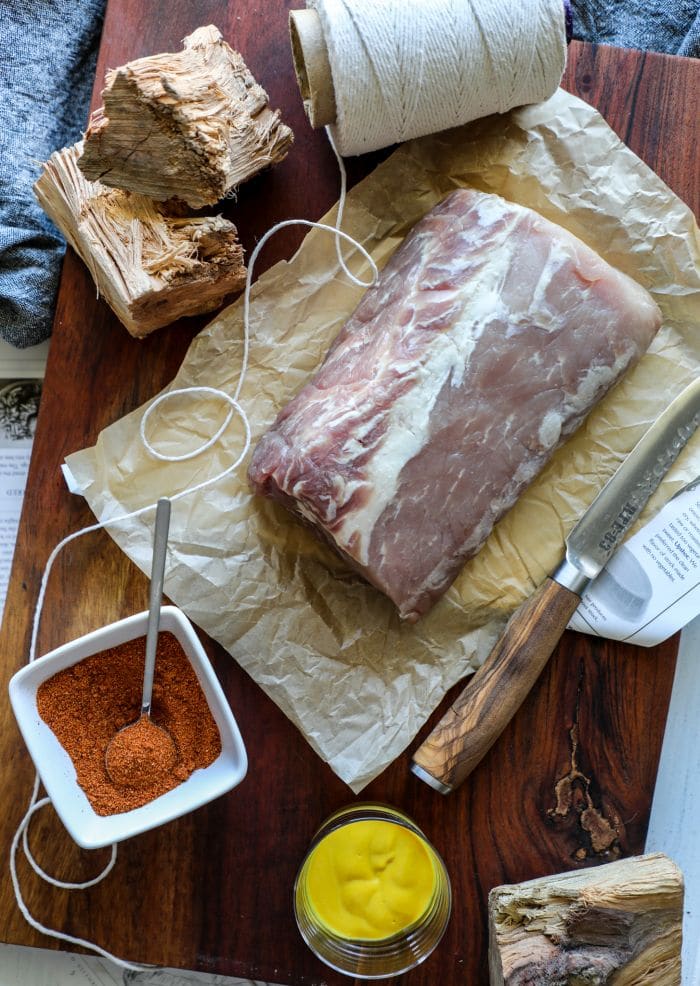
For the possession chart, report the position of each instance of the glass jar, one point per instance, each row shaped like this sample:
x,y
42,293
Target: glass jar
x,y
378,955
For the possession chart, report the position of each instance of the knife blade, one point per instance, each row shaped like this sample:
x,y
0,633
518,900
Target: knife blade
x,y
497,690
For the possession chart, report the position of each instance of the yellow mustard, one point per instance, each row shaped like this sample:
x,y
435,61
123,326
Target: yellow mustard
x,y
370,879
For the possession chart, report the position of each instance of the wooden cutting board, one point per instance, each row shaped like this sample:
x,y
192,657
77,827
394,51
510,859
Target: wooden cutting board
x,y
568,784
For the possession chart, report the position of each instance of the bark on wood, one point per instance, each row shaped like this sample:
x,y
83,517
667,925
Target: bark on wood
x,y
191,125
617,923
151,263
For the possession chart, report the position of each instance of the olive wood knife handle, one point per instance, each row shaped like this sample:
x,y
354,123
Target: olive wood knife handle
x,y
497,690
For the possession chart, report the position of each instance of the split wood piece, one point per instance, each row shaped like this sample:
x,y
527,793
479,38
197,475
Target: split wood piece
x,y
191,125
151,264
616,923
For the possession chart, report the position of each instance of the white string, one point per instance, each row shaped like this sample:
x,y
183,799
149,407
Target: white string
x,y
340,212
36,805
405,68
21,835
234,406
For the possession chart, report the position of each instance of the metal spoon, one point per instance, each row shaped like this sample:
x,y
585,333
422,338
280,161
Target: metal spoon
x,y
141,750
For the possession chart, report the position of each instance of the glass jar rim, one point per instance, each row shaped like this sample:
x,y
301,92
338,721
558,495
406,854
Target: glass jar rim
x,y
374,958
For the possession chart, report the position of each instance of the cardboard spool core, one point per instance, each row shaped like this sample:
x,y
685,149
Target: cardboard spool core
x,y
312,67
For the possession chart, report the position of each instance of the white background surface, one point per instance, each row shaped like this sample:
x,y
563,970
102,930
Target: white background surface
x,y
35,967
674,826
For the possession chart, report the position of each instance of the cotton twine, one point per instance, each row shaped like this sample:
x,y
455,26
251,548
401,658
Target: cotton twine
x,y
405,68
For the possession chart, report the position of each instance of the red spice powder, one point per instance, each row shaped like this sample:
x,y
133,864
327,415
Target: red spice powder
x,y
140,753
87,704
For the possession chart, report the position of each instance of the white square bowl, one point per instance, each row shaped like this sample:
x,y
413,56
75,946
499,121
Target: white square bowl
x,y
55,767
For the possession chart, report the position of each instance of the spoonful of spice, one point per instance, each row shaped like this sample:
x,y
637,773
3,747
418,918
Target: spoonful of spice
x,y
141,752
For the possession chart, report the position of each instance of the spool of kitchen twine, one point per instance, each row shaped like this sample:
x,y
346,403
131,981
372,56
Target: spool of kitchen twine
x,y
379,72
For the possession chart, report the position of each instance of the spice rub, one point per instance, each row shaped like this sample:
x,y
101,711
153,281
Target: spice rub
x,y
140,754
87,704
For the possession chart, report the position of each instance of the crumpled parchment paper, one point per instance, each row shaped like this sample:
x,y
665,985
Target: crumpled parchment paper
x,y
326,647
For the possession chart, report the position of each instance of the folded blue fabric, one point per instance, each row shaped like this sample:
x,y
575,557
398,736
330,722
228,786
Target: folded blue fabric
x,y
46,74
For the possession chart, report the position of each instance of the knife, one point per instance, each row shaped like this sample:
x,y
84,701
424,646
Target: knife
x,y
497,690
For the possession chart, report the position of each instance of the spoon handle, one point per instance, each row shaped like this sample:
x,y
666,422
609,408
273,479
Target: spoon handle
x,y
160,545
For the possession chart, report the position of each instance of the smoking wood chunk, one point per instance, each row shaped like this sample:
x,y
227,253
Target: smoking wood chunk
x,y
191,125
151,263
617,923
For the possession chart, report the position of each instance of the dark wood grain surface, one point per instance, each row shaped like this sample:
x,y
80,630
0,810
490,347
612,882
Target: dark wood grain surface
x,y
569,782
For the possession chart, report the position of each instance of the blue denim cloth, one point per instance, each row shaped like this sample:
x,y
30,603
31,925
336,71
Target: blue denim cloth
x,y
46,73
49,49
670,26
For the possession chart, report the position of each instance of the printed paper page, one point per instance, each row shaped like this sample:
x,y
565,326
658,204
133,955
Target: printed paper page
x,y
651,586
19,405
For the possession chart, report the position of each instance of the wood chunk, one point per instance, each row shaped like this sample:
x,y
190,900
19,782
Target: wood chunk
x,y
151,263
191,125
616,923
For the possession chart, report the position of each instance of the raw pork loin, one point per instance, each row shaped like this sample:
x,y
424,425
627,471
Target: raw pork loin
x,y
489,336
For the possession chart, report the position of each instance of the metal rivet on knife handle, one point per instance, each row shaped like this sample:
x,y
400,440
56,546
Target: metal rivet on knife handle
x,y
497,690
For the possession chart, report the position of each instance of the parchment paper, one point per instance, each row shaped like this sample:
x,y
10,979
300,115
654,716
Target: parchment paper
x,y
328,648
